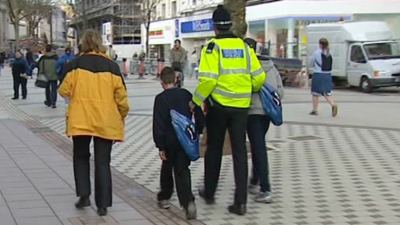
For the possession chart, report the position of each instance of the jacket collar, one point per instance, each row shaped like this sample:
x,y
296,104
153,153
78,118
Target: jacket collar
x,y
225,34
96,53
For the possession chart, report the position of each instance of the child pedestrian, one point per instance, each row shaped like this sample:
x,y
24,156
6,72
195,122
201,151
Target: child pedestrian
x,y
171,153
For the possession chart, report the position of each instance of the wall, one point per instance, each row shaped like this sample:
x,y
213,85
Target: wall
x,y
22,30
393,20
292,8
126,51
3,27
168,9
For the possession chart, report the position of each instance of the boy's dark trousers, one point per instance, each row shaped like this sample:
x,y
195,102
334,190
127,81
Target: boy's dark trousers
x,y
177,161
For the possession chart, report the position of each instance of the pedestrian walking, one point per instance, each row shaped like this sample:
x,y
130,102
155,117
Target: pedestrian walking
x,y
2,60
321,84
171,152
177,58
62,64
194,65
97,110
48,65
29,57
257,128
111,53
229,72
20,72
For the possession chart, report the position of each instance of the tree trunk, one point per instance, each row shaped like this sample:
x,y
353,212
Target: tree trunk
x,y
16,33
238,13
31,28
147,38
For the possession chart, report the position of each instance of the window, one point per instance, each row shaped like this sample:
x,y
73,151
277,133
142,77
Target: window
x,y
163,11
357,55
173,9
194,2
385,50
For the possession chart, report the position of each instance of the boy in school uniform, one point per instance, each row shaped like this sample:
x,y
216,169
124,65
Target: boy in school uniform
x,y
171,152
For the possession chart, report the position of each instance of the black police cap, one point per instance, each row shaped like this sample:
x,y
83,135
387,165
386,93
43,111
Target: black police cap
x,y
221,16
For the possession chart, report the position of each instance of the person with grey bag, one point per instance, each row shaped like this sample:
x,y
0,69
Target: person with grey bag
x,y
48,68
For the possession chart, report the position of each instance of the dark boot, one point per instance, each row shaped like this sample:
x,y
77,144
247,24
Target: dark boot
x,y
102,211
82,202
237,209
209,201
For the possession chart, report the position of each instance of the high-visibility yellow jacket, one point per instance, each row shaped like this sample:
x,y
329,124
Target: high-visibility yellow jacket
x,y
229,72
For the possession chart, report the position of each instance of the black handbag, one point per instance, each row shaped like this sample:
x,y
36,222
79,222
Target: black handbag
x,y
41,80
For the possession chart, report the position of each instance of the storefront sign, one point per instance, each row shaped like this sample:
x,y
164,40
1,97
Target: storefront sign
x,y
177,28
156,33
106,34
197,26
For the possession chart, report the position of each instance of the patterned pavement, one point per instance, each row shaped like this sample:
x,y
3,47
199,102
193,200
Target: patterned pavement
x,y
323,172
320,174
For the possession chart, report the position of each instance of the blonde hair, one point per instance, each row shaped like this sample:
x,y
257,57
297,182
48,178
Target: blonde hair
x,y
92,42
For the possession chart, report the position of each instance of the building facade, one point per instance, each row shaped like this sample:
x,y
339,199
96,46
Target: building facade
x,y
123,16
3,27
278,26
54,28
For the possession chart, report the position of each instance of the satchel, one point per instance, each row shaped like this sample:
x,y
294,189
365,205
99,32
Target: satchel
x,y
41,80
186,132
272,104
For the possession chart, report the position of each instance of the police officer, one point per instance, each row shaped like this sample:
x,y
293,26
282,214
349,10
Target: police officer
x,y
229,72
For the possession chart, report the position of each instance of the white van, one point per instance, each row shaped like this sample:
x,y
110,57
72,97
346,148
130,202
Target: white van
x,y
364,53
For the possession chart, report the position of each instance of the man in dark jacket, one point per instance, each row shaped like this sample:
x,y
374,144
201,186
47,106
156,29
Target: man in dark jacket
x,y
2,60
48,66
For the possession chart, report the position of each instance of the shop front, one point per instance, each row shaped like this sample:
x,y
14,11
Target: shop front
x,y
280,27
161,38
195,32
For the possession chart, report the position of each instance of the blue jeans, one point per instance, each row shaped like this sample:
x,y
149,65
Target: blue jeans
x,y
257,128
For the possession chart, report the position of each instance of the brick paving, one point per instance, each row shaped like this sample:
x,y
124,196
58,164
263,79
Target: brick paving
x,y
37,184
324,171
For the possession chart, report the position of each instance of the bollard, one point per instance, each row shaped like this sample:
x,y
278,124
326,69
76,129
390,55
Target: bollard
x,y
125,67
160,66
141,68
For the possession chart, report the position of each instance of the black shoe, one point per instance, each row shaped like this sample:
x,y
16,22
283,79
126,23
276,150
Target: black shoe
x,y
23,98
102,211
15,98
47,103
53,106
209,201
82,202
237,209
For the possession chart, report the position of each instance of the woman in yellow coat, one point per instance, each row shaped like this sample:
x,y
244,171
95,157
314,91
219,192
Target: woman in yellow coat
x,y
97,110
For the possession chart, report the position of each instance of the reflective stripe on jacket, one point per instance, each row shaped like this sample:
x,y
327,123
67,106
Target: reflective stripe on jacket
x,y
229,71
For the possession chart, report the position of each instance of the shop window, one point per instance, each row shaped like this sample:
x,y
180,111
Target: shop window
x,y
357,55
173,9
163,11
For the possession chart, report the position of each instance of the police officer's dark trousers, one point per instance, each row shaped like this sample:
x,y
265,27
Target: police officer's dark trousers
x,y
218,120
102,173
